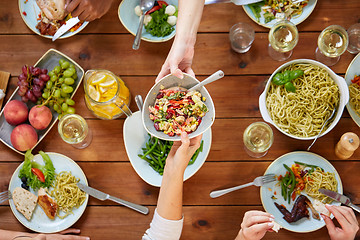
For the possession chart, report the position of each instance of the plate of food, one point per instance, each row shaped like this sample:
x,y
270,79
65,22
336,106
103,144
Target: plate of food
x,y
300,96
142,150
45,91
40,186
159,22
353,81
45,17
265,13
296,207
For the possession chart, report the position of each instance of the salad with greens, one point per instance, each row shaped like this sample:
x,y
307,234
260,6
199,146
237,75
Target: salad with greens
x,y
160,20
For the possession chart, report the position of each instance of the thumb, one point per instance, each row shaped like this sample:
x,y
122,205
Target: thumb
x,y
176,72
262,227
329,224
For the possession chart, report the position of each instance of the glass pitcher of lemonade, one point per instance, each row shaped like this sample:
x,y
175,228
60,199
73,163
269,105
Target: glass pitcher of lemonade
x,y
106,95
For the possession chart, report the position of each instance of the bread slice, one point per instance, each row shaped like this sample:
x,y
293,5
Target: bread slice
x,y
276,226
49,206
25,202
320,207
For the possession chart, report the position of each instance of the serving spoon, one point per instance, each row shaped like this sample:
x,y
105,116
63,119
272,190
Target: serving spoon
x,y
215,76
145,5
331,116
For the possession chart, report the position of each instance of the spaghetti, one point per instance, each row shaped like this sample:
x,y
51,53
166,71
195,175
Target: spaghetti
x,y
67,193
304,112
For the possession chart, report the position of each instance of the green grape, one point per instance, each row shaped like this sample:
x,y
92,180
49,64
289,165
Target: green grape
x,y
72,65
64,94
65,65
51,73
56,107
49,84
59,111
70,110
72,70
46,90
69,81
67,89
60,100
51,103
61,61
45,95
69,101
63,85
74,76
67,73
61,80
57,93
53,78
57,69
64,107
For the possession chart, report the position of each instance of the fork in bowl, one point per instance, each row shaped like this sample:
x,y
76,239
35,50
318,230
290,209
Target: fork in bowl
x,y
4,196
259,181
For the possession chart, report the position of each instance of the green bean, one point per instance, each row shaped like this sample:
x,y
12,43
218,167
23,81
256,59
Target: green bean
x,y
151,149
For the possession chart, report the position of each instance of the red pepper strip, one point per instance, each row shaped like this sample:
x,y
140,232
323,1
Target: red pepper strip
x,y
155,8
38,173
162,3
293,196
176,102
24,13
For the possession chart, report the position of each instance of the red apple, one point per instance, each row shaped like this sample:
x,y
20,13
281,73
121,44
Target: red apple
x,y
16,112
40,117
23,137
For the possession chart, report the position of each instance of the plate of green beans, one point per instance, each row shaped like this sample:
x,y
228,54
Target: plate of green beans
x,y
147,154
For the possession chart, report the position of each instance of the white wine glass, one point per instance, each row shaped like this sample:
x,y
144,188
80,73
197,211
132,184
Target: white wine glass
x,y
332,42
283,37
258,138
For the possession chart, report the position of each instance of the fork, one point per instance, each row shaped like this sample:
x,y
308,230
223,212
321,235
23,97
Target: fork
x,y
259,181
4,196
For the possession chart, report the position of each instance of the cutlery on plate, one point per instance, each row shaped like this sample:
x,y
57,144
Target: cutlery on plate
x,y
236,2
259,181
139,102
322,128
145,5
340,198
4,196
103,196
215,76
65,27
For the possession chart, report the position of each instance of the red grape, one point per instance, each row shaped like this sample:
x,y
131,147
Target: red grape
x,y
44,71
37,91
22,77
24,99
44,77
24,69
22,90
30,95
36,72
37,81
34,78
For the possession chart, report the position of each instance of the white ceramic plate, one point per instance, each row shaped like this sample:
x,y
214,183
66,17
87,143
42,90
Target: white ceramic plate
x,y
353,69
135,137
276,167
130,20
307,10
39,221
32,11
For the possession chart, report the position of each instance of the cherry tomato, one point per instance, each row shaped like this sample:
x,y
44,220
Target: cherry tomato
x,y
155,8
162,3
39,174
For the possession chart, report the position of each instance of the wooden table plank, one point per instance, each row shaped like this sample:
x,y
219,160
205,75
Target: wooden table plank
x,y
208,222
212,52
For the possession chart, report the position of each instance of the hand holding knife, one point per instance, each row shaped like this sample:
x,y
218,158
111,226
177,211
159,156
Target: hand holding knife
x,y
339,198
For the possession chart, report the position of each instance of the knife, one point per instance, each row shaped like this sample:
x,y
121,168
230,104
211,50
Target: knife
x,y
103,196
65,27
236,2
340,198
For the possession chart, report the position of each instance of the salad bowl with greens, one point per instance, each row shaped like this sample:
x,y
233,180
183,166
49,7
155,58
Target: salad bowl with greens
x,y
159,23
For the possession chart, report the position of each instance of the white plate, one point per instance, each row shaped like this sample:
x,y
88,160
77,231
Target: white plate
x,y
276,167
39,221
135,137
130,20
307,10
353,69
32,11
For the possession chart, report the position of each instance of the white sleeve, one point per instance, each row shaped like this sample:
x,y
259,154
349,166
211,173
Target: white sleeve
x,y
163,229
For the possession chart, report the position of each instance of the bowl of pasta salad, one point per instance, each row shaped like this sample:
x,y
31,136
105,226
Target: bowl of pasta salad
x,y
170,109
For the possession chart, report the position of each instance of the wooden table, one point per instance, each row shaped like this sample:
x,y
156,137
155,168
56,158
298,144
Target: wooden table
x,y
106,44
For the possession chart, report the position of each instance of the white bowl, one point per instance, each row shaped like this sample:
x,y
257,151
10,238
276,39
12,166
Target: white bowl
x,y
340,82
172,81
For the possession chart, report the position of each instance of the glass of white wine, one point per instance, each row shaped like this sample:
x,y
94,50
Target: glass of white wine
x,y
332,42
283,37
258,138
74,130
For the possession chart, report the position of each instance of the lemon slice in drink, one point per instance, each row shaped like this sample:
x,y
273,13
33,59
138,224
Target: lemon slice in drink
x,y
109,82
99,80
93,93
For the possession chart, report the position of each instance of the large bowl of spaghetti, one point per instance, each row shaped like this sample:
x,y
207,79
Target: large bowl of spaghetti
x,y
302,114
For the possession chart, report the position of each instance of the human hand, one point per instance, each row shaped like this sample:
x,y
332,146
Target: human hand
x,y
347,220
88,10
255,224
62,236
181,152
178,60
